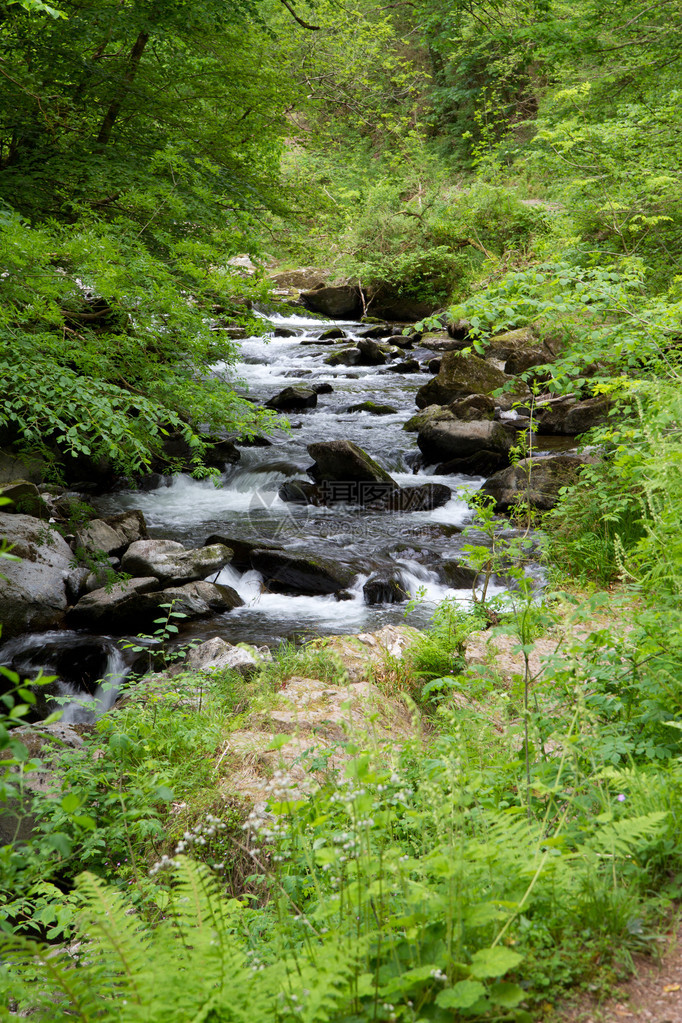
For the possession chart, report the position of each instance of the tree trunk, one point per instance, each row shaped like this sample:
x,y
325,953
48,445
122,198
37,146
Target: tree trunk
x,y
127,80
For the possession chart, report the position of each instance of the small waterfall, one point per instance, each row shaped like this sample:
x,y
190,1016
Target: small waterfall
x,y
87,670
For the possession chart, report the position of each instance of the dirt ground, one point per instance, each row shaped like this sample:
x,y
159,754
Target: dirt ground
x,y
653,995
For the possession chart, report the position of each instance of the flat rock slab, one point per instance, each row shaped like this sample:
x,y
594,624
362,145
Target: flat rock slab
x,y
170,562
217,655
134,605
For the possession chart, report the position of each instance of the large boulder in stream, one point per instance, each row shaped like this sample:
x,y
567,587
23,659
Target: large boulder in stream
x,y
335,301
518,350
170,562
461,375
113,534
347,462
345,357
374,408
293,399
475,407
385,588
446,440
371,352
536,481
242,549
133,605
35,588
566,415
301,574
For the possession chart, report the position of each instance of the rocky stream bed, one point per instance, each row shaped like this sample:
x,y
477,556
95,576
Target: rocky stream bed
x,y
331,527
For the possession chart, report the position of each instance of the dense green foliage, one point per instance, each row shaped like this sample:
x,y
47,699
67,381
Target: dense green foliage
x,y
519,165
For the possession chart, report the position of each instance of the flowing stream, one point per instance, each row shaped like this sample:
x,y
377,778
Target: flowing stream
x,y
245,502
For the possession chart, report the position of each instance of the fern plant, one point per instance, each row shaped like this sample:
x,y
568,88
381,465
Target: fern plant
x,y
194,966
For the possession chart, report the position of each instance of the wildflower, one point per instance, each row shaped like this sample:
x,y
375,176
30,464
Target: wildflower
x,y
620,797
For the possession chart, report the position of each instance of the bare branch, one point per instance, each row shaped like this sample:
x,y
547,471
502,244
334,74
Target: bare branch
x,y
294,15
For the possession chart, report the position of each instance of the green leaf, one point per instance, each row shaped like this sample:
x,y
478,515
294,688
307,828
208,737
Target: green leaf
x,y
505,994
462,995
60,842
493,962
70,802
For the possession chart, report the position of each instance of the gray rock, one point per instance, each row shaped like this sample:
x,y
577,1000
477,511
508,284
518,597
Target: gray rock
x,y
25,499
439,341
33,594
221,452
380,330
385,588
473,407
425,497
372,353
242,549
459,439
457,574
409,366
483,463
217,655
130,526
373,408
344,461
332,334
100,607
518,350
297,573
20,467
334,301
98,537
461,375
533,480
195,600
169,562
135,604
299,492
387,303
566,415
293,399
302,277
345,357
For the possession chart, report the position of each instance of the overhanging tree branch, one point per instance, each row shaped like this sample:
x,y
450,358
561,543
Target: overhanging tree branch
x,y
294,15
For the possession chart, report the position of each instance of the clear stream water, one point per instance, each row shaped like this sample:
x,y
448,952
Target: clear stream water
x,y
245,503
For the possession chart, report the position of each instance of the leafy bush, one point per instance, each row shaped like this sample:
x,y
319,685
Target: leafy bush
x,y
102,350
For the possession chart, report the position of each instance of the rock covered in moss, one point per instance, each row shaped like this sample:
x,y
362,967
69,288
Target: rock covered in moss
x,y
461,375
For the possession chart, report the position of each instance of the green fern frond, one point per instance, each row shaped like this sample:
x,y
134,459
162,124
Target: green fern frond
x,y
116,936
627,837
40,972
